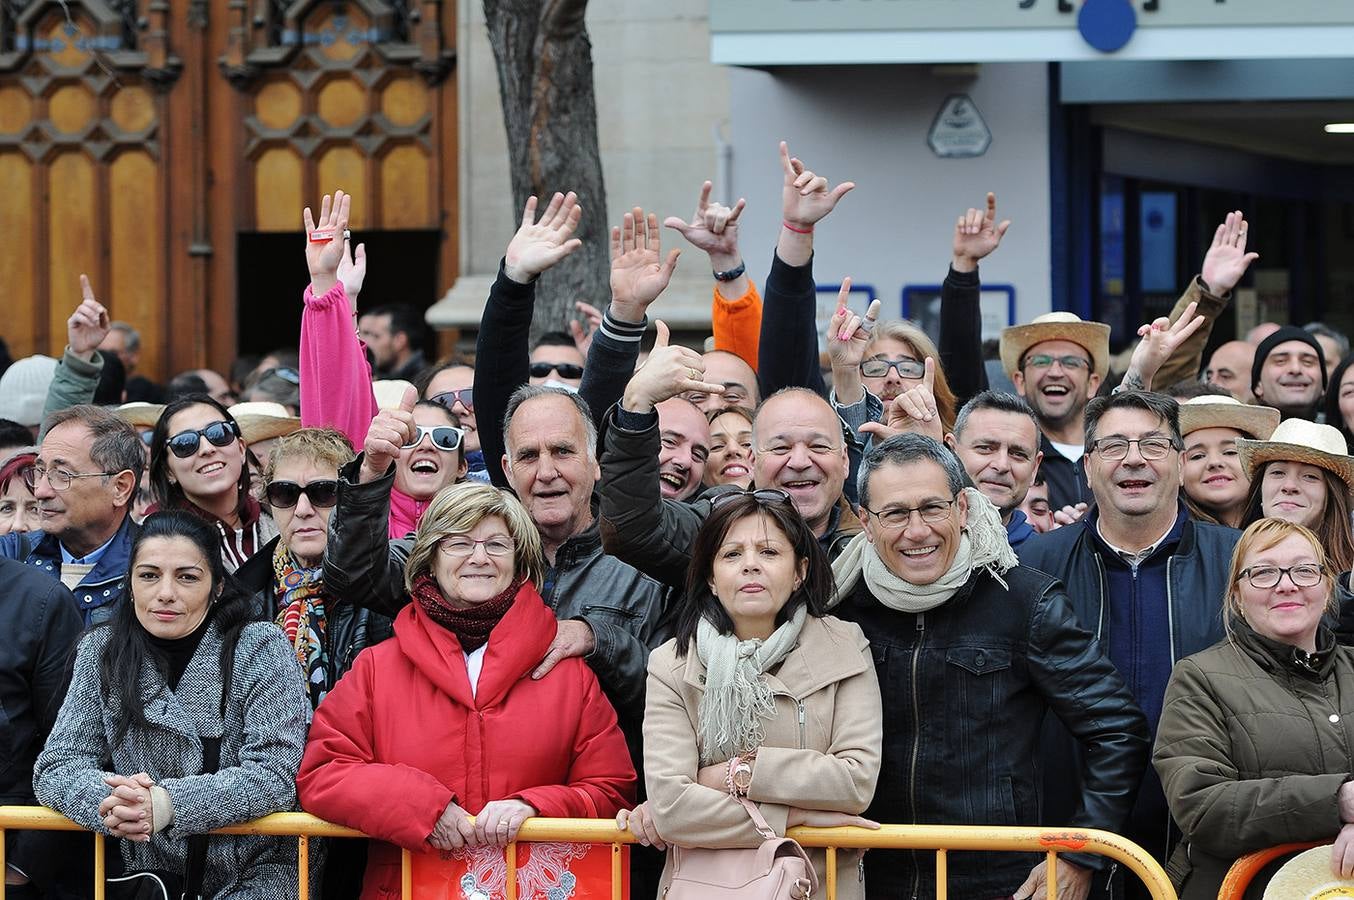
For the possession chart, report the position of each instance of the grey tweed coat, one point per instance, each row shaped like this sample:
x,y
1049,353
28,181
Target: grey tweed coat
x,y
262,737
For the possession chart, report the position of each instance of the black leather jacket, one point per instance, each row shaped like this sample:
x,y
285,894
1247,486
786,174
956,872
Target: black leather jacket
x,y
965,689
622,606
349,629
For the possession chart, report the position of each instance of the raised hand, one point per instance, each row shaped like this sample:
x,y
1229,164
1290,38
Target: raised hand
x,y
914,410
539,245
1227,259
977,234
1160,338
713,228
848,333
639,273
583,335
669,371
805,197
390,431
323,257
352,271
88,325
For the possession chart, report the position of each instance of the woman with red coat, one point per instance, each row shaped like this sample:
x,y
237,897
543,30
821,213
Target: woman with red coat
x,y
444,722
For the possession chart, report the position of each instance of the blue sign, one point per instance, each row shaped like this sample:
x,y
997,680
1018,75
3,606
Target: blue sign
x,y
1107,25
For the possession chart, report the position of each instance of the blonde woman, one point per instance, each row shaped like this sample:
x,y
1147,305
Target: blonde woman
x,y
431,727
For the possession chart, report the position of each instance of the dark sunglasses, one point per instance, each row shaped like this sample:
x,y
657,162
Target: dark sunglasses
x,y
220,434
448,398
565,370
284,494
445,437
761,495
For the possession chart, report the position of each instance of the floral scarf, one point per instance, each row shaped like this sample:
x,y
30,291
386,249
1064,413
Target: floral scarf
x,y
301,615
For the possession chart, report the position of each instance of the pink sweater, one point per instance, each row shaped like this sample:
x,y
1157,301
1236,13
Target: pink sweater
x,y
335,377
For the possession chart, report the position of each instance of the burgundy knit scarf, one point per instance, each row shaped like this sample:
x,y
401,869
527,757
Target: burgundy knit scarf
x,y
471,626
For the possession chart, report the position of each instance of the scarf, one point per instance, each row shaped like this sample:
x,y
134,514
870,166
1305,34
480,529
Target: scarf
x,y
471,626
405,513
737,697
982,545
236,546
301,616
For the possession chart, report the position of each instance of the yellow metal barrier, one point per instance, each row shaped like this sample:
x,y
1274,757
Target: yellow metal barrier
x,y
937,838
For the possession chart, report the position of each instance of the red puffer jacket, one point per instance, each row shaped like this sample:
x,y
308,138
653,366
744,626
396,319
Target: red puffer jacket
x,y
400,736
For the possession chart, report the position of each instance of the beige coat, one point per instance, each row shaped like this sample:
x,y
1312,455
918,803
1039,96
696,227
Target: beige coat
x,y
822,746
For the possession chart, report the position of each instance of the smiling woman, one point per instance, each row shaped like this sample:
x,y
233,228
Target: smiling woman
x,y
435,459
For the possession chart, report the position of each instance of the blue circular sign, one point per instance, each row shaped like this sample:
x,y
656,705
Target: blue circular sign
x,y
1107,24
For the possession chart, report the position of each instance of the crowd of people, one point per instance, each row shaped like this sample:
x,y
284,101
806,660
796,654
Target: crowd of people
x,y
713,595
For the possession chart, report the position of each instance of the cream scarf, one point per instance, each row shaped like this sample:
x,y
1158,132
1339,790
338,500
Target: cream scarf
x,y
737,696
982,545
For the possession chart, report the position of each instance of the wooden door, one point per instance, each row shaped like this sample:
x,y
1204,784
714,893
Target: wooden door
x,y
139,137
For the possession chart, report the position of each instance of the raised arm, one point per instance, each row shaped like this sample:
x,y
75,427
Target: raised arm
x,y
639,273
77,376
976,235
502,354
789,321
736,310
335,375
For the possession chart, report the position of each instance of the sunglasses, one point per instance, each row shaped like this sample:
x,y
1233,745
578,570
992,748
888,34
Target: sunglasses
x,y
220,434
565,370
445,437
466,396
761,495
284,494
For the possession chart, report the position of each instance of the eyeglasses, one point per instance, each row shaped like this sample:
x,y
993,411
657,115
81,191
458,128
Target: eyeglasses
x,y
219,434
445,437
464,546
287,374
466,397
59,479
1117,448
322,494
761,495
1044,361
1262,577
565,370
906,366
900,516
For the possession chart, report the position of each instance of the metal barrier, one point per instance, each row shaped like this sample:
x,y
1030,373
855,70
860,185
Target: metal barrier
x,y
1244,870
939,838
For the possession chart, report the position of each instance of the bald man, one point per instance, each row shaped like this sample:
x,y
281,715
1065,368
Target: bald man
x,y
738,378
1260,332
1230,369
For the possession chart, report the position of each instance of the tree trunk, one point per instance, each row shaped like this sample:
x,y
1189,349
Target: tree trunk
x,y
544,62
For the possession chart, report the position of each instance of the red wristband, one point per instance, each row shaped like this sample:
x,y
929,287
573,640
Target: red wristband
x,y
808,230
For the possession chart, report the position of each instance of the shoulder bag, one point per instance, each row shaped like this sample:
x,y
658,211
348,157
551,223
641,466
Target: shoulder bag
x,y
777,870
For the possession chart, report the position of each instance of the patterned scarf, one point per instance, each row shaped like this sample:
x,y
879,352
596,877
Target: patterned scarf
x,y
471,626
301,615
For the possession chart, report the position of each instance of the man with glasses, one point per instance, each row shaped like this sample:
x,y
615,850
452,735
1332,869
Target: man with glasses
x,y
1143,576
85,480
972,651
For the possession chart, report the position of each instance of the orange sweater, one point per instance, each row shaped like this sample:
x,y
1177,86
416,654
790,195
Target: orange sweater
x,y
738,323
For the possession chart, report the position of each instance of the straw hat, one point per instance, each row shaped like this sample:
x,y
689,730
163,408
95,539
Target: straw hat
x,y
1056,326
1308,876
1255,422
1297,440
141,414
260,420
389,392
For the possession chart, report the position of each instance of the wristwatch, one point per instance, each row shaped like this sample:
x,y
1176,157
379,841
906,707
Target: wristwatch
x,y
740,776
731,274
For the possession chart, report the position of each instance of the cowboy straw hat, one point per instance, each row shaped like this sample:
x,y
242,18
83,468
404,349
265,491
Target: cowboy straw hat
x,y
389,392
260,420
1255,422
1308,875
140,414
1297,440
1056,326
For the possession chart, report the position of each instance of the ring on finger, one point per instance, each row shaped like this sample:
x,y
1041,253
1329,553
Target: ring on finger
x,y
867,324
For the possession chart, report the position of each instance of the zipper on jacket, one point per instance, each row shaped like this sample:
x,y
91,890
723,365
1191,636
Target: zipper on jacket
x,y
916,746
803,741
1100,573
1170,609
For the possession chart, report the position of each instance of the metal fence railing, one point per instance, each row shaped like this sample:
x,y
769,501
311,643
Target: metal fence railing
x,y
940,839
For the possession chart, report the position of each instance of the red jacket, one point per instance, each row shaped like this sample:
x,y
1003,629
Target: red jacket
x,y
400,736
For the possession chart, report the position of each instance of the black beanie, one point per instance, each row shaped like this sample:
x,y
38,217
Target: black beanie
x,y
1283,336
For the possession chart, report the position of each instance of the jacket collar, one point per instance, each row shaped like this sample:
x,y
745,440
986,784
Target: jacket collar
x,y
1273,655
516,646
818,660
583,545
195,708
112,566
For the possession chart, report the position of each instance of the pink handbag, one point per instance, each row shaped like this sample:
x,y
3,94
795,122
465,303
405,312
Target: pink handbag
x,y
777,870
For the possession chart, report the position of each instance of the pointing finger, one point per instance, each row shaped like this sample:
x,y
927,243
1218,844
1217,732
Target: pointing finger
x,y
928,378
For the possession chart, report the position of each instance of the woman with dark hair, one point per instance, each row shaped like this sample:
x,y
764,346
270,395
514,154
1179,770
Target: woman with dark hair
x,y
761,695
435,459
197,711
197,464
18,506
730,460
452,385
1212,482
1340,398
